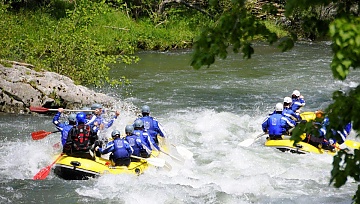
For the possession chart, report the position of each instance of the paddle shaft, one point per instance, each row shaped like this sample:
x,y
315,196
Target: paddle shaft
x,y
44,172
42,109
262,134
153,161
248,142
69,110
136,157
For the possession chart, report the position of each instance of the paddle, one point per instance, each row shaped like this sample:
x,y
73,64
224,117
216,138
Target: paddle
x,y
185,153
42,109
173,157
38,135
153,161
248,142
44,172
167,165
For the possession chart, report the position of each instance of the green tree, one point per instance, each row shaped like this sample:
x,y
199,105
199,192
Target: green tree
x,y
237,28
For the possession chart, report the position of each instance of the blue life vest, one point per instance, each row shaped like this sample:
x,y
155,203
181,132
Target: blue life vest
x,y
121,149
151,126
275,124
135,142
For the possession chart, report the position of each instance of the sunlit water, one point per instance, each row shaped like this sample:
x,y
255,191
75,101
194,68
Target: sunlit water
x,y
209,111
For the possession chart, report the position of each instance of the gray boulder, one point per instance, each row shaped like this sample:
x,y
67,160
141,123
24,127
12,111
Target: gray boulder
x,y
21,87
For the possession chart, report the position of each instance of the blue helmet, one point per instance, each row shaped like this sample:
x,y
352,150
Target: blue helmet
x,y
145,109
81,117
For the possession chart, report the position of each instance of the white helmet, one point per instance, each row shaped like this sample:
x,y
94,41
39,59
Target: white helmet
x,y
279,107
296,93
287,100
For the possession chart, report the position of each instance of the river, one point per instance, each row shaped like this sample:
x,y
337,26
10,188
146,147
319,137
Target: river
x,y
208,111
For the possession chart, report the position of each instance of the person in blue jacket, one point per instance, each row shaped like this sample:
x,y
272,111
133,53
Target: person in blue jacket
x,y
288,112
151,125
64,127
275,124
88,112
319,138
120,149
146,140
135,143
292,117
298,101
342,134
98,119
80,138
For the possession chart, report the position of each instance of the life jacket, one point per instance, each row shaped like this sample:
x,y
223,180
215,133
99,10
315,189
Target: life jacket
x,y
81,137
276,124
132,140
121,149
151,126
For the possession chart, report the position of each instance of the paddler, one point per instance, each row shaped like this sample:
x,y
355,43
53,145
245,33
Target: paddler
x,y
146,140
120,150
298,101
151,125
98,120
276,124
80,139
135,143
64,127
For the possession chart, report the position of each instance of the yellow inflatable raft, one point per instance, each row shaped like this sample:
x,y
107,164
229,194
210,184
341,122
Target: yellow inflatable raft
x,y
75,168
299,148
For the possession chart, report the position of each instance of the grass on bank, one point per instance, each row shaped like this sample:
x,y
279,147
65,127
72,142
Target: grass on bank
x,y
81,45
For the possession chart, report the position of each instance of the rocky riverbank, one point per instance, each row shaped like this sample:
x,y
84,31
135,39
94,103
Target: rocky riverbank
x,y
22,87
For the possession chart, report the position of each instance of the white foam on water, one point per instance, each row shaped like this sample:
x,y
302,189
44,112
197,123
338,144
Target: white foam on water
x,y
220,169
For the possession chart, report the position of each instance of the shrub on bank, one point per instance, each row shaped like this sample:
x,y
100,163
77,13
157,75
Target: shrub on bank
x,y
82,41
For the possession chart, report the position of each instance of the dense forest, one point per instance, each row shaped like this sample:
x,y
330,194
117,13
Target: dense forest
x,y
80,38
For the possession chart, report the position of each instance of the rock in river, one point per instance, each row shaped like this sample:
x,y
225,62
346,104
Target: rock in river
x,y
22,87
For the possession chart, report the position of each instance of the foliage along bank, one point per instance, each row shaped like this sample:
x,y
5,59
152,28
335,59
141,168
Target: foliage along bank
x,y
79,39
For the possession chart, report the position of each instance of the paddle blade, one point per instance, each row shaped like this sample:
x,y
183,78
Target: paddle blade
x,y
185,153
246,143
156,162
39,134
38,109
44,172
